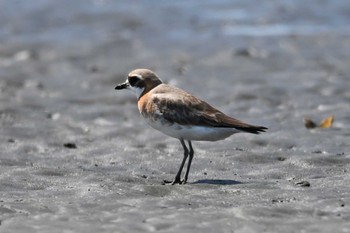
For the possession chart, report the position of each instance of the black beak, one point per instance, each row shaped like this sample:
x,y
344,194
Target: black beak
x,y
122,86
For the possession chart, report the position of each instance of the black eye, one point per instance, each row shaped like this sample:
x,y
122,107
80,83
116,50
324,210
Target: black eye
x,y
134,81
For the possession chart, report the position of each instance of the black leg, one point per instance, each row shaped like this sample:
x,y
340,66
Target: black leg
x,y
178,175
191,153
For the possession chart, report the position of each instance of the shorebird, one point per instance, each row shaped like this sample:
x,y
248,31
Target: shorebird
x,y
181,115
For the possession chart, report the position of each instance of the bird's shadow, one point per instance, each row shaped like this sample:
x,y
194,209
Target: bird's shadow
x,y
217,182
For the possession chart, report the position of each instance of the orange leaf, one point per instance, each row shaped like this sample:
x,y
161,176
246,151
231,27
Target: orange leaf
x,y
327,123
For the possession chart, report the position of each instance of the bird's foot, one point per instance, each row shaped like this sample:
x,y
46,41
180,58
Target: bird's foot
x,y
176,181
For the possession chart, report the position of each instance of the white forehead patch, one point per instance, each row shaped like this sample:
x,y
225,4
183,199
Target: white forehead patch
x,y
137,75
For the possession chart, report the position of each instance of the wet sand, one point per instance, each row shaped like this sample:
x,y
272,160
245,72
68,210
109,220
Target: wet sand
x,y
75,155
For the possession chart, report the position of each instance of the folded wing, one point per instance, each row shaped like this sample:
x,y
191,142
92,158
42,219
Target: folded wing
x,y
189,110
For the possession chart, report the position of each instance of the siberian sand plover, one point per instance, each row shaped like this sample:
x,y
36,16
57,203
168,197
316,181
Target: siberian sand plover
x,y
181,115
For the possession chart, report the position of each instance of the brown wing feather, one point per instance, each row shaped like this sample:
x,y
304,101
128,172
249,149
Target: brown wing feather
x,y
185,109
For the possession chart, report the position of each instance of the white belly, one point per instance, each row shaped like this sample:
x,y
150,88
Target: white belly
x,y
195,133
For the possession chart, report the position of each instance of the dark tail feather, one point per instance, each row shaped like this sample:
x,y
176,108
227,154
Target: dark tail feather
x,y
252,129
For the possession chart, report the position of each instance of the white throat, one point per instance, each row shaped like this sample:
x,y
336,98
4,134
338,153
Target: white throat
x,y
138,91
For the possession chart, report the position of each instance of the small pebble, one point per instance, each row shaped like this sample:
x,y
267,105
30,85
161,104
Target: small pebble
x,y
11,140
70,145
304,184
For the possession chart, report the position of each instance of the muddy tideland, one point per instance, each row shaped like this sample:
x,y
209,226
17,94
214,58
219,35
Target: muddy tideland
x,y
76,156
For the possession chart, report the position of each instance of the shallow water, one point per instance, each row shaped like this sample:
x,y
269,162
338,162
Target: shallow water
x,y
76,156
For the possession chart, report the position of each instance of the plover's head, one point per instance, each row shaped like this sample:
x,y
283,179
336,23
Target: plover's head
x,y
140,81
